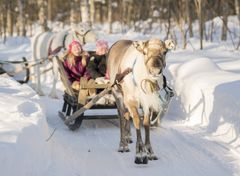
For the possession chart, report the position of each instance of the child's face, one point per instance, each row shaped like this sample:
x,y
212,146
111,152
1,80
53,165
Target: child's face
x,y
101,51
76,50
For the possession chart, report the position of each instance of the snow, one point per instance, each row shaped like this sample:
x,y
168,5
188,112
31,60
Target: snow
x,y
198,136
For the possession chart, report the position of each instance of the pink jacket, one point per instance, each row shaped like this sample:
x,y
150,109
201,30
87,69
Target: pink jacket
x,y
75,72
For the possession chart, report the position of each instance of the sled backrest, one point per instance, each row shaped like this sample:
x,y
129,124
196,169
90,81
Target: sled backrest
x,y
63,75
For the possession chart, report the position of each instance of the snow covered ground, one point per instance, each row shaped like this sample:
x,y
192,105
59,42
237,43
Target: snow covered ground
x,y
199,136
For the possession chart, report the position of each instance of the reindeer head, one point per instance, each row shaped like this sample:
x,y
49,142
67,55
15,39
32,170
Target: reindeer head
x,y
154,51
83,33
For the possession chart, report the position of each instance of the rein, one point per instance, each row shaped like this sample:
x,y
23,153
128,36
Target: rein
x,y
82,35
152,85
56,50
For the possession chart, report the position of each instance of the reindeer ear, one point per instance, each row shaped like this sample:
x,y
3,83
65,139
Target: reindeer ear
x,y
140,46
169,44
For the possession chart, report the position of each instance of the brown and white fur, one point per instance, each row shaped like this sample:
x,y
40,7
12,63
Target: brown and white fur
x,y
44,42
147,61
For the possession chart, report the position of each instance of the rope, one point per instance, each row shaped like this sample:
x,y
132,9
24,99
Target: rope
x,y
22,62
152,122
11,62
27,67
51,135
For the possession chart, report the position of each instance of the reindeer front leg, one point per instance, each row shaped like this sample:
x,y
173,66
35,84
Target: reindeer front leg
x,y
146,124
38,81
141,154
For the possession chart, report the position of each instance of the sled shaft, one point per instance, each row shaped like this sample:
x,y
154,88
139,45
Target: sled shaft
x,y
91,103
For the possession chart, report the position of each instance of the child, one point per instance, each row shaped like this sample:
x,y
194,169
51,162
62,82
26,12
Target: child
x,y
75,64
97,64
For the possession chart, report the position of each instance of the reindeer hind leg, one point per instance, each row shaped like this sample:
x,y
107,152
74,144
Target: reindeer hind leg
x,y
36,48
128,127
123,145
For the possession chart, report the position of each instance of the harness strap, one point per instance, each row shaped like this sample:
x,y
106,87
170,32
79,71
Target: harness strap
x,y
165,86
50,47
164,82
64,40
83,35
56,50
119,77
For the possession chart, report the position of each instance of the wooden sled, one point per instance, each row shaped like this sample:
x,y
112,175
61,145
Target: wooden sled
x,y
76,102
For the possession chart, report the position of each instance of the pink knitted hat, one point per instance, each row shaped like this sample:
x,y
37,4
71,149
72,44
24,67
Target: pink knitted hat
x,y
102,44
74,42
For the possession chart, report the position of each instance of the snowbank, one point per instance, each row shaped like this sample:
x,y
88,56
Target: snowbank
x,y
23,129
209,97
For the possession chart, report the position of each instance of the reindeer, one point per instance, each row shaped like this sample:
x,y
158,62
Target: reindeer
x,y
138,89
47,44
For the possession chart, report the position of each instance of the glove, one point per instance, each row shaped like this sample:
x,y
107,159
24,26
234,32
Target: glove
x,y
76,85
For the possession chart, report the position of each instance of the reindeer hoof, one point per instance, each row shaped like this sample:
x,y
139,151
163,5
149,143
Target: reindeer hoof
x,y
129,140
40,93
152,157
123,146
141,160
53,96
145,160
123,149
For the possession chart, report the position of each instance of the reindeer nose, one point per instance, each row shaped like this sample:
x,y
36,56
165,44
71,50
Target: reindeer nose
x,y
156,71
157,63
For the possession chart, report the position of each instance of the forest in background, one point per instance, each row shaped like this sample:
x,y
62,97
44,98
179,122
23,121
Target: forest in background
x,y
17,17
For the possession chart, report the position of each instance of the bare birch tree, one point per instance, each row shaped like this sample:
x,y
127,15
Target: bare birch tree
x,y
180,18
92,12
42,15
189,17
21,18
84,8
237,9
198,4
50,10
168,25
224,19
10,17
74,13
110,16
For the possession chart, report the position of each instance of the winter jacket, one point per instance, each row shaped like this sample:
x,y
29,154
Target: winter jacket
x,y
75,72
96,67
